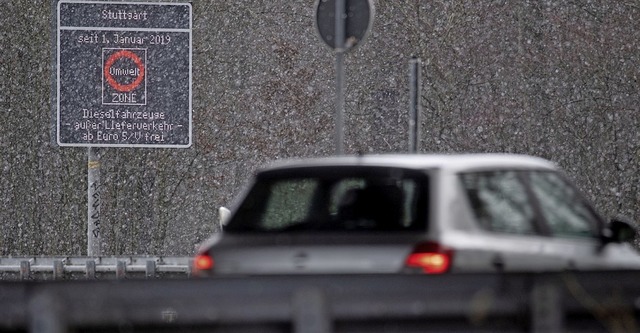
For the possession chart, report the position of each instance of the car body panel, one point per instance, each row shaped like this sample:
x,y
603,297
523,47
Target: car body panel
x,y
312,253
451,223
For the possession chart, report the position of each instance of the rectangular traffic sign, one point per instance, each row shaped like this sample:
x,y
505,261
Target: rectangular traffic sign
x,y
124,74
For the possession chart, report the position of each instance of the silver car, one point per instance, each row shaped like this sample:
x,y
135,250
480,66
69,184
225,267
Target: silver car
x,y
416,214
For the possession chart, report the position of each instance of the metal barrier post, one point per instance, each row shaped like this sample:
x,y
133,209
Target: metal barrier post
x,y
58,270
46,315
121,269
25,270
91,270
310,312
150,269
546,308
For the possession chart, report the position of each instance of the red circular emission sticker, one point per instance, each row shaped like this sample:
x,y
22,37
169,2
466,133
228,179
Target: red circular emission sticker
x,y
112,81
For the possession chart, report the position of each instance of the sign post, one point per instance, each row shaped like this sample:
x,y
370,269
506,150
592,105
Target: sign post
x,y
415,87
94,203
339,48
342,25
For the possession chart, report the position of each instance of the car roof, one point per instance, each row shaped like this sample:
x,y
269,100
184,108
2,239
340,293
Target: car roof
x,y
451,162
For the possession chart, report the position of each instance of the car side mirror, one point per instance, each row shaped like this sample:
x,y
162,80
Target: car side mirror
x,y
223,216
620,230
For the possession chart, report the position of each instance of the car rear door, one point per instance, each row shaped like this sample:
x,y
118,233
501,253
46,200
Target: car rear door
x,y
509,235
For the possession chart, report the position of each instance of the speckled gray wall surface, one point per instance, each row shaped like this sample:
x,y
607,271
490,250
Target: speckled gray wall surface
x,y
556,79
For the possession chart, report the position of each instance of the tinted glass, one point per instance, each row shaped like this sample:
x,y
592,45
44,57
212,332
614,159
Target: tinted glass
x,y
337,199
564,210
289,201
499,201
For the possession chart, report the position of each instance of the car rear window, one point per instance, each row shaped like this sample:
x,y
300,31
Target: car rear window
x,y
334,199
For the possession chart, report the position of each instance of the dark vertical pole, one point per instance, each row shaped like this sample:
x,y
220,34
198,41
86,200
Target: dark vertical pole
x,y
546,308
310,311
339,47
93,203
46,313
414,105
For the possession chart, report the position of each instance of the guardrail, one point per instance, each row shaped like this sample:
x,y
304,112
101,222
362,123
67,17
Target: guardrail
x,y
554,302
119,267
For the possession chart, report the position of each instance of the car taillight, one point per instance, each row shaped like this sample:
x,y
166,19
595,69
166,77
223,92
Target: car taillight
x,y
203,262
430,258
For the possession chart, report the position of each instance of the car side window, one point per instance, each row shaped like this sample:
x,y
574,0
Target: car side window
x,y
288,203
499,201
564,210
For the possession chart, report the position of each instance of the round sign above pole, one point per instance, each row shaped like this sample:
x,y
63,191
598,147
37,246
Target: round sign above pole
x,y
358,18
